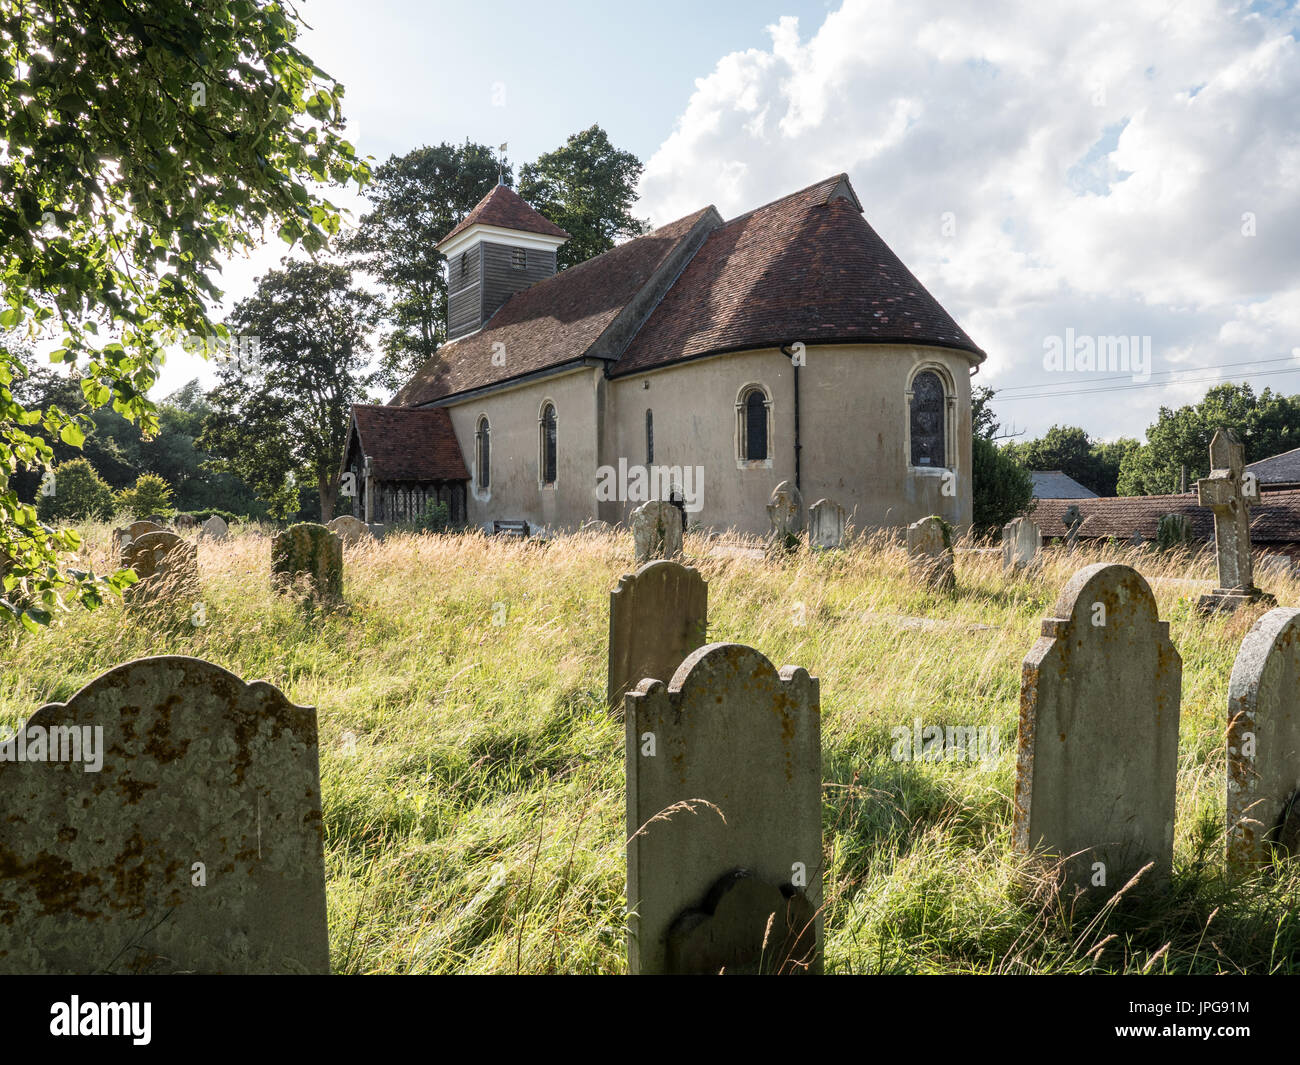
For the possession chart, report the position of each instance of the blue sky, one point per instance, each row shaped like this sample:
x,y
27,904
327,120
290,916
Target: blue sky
x,y
1126,168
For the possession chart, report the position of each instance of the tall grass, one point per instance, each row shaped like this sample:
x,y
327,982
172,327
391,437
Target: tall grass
x,y
473,783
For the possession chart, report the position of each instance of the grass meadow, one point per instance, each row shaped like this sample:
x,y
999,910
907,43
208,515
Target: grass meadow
x,y
473,782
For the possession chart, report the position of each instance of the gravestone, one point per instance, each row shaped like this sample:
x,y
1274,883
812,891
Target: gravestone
x,y
166,565
178,831
657,616
349,529
785,512
656,531
186,521
724,817
123,537
308,554
1173,530
1230,492
1021,542
930,557
826,525
1263,774
215,528
1072,520
1099,701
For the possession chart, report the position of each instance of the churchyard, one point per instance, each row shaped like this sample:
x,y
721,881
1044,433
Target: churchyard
x,y
478,795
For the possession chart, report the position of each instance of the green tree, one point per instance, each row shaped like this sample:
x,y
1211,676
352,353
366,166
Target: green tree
x,y
149,495
1268,424
288,408
1069,449
983,421
143,143
74,491
1001,488
587,187
418,199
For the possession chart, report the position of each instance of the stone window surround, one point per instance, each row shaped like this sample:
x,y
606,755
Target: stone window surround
x,y
542,483
742,398
482,491
949,421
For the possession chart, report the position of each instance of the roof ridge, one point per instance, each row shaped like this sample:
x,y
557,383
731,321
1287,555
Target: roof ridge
x,y
834,181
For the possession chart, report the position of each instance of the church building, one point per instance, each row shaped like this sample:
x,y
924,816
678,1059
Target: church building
x,y
706,361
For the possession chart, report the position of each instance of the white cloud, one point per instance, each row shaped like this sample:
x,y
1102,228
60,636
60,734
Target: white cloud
x,y
1103,166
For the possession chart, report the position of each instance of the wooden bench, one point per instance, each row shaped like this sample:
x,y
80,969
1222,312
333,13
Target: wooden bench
x,y
510,528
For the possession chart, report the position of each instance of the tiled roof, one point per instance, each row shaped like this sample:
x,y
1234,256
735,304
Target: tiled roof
x,y
1279,469
505,208
409,445
1275,519
806,267
1053,484
549,323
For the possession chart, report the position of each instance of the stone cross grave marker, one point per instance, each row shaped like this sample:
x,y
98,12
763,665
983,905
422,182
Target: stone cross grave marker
x,y
657,616
656,531
349,529
785,512
1021,542
308,552
1263,774
1072,520
1099,700
826,525
166,565
930,557
724,817
1229,492
215,528
165,819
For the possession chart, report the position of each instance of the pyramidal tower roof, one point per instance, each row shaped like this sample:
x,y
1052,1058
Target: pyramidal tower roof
x,y
503,208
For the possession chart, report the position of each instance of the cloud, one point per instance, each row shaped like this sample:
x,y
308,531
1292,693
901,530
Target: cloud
x,y
1129,168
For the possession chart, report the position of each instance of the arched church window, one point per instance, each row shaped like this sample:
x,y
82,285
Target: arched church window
x,y
483,444
754,407
649,437
547,459
929,401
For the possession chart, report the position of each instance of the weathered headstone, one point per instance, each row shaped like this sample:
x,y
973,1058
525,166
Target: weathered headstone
x,y
166,565
1263,775
1276,565
1173,530
930,557
123,537
1021,542
724,860
165,819
656,531
785,513
311,554
1099,701
657,616
1072,520
1229,492
826,525
186,521
349,529
215,528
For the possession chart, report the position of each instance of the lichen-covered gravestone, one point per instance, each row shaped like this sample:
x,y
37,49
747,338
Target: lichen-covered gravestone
x,y
785,513
1021,542
310,554
215,528
166,565
122,538
826,525
1099,700
724,860
1229,491
1173,530
349,529
657,616
177,831
656,531
1264,741
930,556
